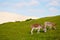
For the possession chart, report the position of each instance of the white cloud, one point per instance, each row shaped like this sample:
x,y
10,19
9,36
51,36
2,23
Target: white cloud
x,y
49,0
6,4
53,10
12,17
20,4
23,4
53,3
44,0
36,10
33,2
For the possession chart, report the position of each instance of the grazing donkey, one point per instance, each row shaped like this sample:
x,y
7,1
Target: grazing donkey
x,y
50,25
36,26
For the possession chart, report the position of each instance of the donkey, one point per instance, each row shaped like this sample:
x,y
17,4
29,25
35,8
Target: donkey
x,y
50,25
36,26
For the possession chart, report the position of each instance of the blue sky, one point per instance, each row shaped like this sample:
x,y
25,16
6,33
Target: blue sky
x,y
38,8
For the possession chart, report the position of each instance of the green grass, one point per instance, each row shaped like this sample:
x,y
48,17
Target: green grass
x,y
21,30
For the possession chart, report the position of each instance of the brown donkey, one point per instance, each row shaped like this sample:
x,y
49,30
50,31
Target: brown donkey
x,y
36,26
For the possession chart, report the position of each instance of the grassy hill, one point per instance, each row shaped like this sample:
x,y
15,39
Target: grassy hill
x,y
21,30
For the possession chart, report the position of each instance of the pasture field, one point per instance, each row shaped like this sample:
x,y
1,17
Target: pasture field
x,y
21,30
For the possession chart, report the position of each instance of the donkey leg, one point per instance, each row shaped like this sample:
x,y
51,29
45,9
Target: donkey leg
x,y
38,30
32,31
44,29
